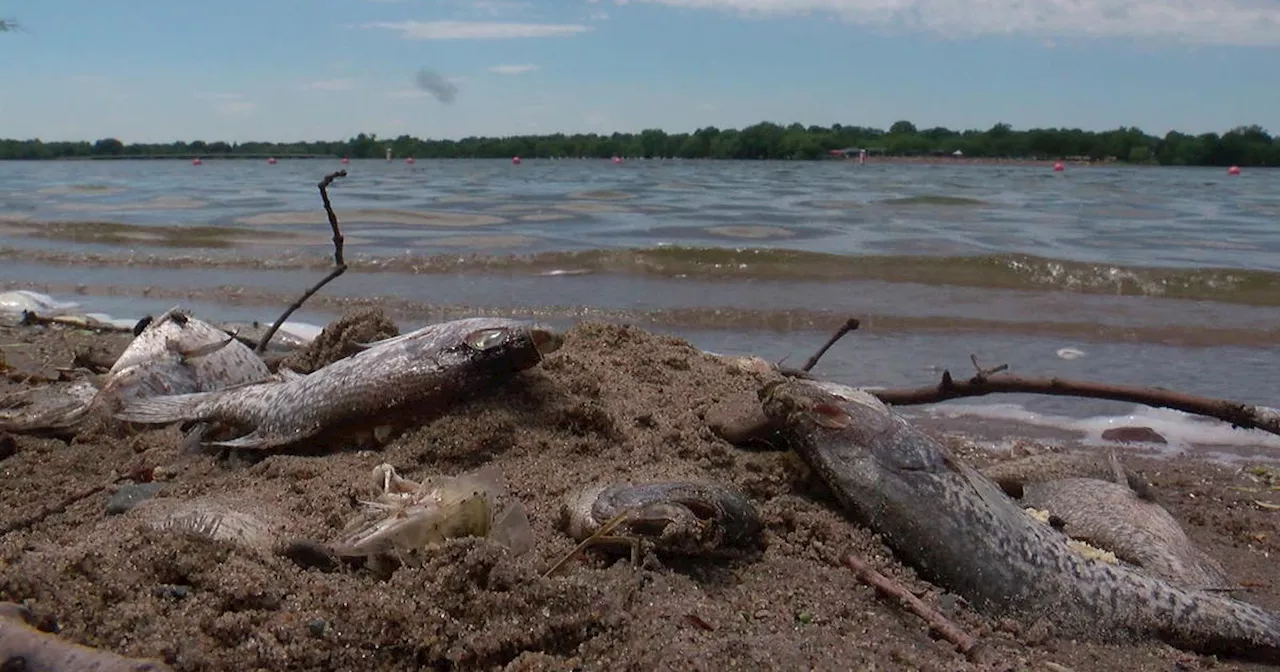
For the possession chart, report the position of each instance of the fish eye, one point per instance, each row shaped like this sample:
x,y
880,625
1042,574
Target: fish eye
x,y
487,339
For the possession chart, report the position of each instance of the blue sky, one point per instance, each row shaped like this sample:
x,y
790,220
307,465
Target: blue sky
x,y
237,70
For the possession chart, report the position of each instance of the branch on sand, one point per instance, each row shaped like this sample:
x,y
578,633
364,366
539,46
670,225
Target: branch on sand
x,y
1239,415
339,263
886,586
985,382
24,647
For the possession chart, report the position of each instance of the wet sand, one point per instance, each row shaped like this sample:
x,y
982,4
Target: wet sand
x,y
599,409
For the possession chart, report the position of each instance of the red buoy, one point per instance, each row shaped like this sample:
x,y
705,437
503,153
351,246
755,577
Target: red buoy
x,y
1058,167
271,161
345,160
617,159
515,160
409,160
196,161
1233,170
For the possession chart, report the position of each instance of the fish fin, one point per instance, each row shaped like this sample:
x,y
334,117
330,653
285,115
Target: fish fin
x,y
163,409
251,440
202,350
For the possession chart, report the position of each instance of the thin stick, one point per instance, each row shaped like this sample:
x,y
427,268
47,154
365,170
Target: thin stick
x,y
340,264
1238,414
850,325
949,631
595,536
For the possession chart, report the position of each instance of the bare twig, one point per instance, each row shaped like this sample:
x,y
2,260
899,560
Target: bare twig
x,y
982,373
850,325
1238,414
339,264
595,537
963,642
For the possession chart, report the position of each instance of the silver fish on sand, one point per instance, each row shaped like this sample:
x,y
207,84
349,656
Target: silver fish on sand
x,y
172,354
393,381
958,529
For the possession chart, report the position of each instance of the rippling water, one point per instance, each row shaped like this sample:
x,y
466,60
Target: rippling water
x,y
1158,275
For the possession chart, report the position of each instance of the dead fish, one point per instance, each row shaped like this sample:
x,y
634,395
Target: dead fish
x,y
172,354
958,529
399,379
1112,517
176,331
45,407
681,516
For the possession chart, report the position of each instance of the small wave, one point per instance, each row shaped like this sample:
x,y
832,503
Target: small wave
x,y
996,271
933,200
1182,431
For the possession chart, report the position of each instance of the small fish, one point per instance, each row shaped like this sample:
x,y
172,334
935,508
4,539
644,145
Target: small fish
x,y
172,354
958,529
683,516
399,379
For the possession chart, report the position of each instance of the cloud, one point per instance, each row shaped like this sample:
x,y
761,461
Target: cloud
x,y
513,69
227,104
475,30
1219,22
496,7
330,85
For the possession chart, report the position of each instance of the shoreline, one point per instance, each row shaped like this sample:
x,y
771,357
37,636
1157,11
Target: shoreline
x,y
195,603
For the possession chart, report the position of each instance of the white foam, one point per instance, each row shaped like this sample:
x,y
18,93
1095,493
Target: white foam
x,y
1070,353
1181,430
19,300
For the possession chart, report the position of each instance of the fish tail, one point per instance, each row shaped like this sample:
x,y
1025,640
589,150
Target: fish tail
x,y
165,409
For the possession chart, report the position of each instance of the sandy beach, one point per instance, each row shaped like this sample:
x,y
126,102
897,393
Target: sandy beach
x,y
598,410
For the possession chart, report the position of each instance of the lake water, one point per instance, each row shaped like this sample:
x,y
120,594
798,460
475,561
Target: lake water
x,y
1149,276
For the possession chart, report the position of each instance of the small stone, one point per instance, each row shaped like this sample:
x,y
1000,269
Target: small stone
x,y
317,626
171,592
131,495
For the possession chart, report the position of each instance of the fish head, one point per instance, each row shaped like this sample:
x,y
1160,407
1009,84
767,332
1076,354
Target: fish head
x,y
521,344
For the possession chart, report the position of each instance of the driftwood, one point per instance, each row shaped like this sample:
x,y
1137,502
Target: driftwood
x,y
1239,415
23,647
339,263
985,382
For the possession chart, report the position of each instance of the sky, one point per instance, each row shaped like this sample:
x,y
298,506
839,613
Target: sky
x,y
286,70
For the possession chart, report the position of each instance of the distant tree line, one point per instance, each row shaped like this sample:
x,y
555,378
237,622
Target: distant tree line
x,y
1244,146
